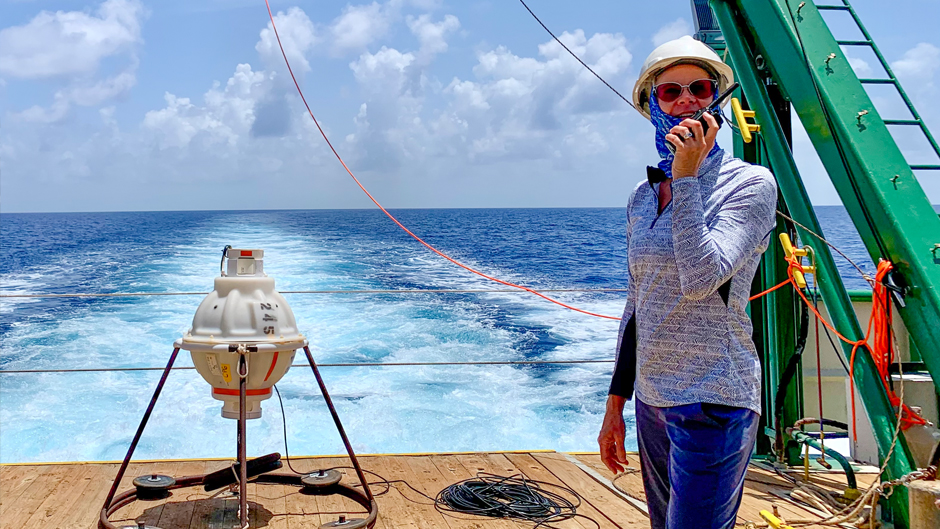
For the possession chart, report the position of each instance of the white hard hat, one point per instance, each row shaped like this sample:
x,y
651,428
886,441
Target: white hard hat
x,y
684,50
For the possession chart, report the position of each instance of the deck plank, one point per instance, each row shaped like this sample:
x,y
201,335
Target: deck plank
x,y
69,496
37,492
425,512
759,493
429,480
465,466
333,505
598,495
14,480
87,507
179,507
630,483
62,496
534,470
147,511
395,513
302,511
268,505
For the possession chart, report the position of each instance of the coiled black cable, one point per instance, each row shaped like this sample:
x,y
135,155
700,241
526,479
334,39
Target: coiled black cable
x,y
515,497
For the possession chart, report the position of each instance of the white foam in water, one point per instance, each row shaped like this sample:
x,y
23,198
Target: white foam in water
x,y
93,416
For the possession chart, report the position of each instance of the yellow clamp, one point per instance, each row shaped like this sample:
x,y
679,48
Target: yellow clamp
x,y
773,521
792,252
740,116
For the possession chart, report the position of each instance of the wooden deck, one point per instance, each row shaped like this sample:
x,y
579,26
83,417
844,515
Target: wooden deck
x,y
69,496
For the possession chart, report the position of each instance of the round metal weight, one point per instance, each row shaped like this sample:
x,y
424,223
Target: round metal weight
x,y
345,523
322,478
153,486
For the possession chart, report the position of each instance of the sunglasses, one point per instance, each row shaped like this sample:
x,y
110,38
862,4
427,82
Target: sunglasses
x,y
700,88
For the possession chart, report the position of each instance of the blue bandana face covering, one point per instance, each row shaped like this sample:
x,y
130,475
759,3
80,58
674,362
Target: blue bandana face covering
x,y
664,123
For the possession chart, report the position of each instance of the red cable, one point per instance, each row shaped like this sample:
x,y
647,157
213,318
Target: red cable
x,y
376,202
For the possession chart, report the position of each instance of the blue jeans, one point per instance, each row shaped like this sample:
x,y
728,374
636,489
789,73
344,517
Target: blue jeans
x,y
694,458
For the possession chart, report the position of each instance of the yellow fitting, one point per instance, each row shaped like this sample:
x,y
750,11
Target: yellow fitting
x,y
792,252
773,521
740,116
789,249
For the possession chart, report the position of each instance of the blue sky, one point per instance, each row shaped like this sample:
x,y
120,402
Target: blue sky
x,y
133,105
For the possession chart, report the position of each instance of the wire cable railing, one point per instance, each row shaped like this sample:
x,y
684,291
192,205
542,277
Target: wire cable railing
x,y
347,364
341,364
390,291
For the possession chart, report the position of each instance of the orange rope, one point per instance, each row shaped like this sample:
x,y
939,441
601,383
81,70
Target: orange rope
x,y
882,334
400,225
769,290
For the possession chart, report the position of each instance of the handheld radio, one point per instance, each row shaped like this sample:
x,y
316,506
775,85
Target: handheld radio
x,y
714,109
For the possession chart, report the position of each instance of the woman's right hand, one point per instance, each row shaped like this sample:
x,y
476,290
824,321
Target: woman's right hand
x,y
612,436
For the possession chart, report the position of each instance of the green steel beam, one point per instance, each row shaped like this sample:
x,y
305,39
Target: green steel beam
x,y
877,186
776,323
777,35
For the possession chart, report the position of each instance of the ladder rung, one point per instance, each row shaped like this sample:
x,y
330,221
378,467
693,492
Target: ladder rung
x,y
832,8
902,122
854,42
878,81
925,167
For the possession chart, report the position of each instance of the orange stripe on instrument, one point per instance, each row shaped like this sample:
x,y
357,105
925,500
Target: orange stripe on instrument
x,y
249,392
271,369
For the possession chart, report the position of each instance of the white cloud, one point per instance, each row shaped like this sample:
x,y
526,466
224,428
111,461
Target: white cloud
x,y
104,90
672,30
520,107
81,92
298,36
431,35
360,26
226,117
523,115
860,66
920,62
70,43
384,71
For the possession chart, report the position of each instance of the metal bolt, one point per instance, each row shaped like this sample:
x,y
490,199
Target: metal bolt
x,y
935,249
829,58
800,7
894,179
859,116
342,518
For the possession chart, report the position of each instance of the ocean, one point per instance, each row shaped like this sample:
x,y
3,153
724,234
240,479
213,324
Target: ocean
x,y
63,416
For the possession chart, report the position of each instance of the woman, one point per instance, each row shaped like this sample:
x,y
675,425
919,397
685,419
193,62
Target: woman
x,y
695,233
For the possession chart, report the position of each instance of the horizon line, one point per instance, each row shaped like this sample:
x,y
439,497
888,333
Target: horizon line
x,y
329,209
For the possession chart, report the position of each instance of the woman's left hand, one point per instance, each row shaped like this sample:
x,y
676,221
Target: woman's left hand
x,y
691,151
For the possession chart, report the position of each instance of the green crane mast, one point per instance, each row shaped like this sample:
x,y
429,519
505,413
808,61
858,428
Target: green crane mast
x,y
784,55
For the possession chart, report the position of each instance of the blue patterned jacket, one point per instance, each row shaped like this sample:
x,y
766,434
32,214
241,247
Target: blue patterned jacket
x,y
685,336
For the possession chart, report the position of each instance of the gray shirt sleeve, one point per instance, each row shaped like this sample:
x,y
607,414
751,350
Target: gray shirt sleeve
x,y
709,253
630,306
